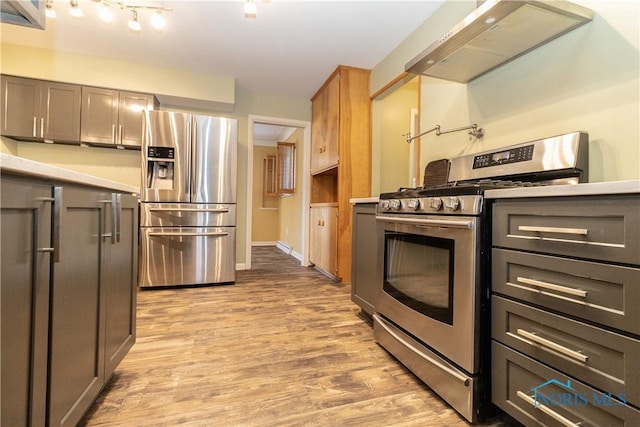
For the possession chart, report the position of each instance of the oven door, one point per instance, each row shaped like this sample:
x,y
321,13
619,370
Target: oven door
x,y
430,285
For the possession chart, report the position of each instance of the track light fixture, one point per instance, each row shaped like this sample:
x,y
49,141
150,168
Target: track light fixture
x,y
250,10
106,12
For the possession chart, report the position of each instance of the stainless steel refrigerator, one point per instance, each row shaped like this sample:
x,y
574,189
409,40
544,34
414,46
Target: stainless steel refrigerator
x,y
188,210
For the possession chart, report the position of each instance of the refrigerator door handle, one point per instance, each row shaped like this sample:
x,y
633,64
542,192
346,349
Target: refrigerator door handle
x,y
187,234
193,134
213,210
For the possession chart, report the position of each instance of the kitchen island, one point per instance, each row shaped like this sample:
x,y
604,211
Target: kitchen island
x,y
69,275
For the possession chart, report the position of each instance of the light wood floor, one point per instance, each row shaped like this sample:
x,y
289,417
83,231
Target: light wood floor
x,y
284,346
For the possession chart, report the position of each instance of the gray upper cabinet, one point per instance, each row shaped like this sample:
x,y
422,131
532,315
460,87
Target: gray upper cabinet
x,y
38,110
114,118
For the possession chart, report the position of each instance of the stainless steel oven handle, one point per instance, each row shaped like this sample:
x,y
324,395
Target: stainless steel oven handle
x,y
552,345
553,414
188,234
431,222
464,380
212,210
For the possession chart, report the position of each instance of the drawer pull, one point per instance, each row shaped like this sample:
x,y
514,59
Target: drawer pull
x,y
579,231
553,414
550,344
563,289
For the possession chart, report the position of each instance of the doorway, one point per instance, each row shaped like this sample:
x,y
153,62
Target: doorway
x,y
292,237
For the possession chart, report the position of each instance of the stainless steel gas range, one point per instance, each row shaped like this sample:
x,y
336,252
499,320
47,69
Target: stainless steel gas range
x,y
432,308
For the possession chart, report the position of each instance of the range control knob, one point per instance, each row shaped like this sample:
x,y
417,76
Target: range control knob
x,y
451,203
384,205
435,203
413,204
394,205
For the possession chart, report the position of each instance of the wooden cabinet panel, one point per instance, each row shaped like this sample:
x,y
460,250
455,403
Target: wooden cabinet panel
x,y
323,234
40,110
325,126
24,296
341,152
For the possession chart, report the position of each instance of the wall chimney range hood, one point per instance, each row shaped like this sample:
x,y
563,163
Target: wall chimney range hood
x,y
495,33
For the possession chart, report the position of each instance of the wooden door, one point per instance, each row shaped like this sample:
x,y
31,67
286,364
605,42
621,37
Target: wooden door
x,y
60,112
119,279
76,373
99,116
24,295
20,107
130,117
325,125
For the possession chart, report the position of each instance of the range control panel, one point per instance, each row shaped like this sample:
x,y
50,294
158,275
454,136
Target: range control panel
x,y
513,155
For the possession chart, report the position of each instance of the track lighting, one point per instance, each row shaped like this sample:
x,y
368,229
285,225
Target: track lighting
x,y
105,13
50,11
134,24
74,9
157,21
250,10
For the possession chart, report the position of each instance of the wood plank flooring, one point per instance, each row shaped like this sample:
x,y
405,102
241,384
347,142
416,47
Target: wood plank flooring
x,y
284,346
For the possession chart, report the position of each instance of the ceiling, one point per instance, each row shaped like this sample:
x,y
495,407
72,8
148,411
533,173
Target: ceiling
x,y
288,50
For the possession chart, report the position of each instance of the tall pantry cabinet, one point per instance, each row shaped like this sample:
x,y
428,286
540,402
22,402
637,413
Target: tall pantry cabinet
x,y
340,166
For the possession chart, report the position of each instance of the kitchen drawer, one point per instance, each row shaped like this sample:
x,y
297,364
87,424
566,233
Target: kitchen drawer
x,y
520,382
605,228
602,293
187,215
604,359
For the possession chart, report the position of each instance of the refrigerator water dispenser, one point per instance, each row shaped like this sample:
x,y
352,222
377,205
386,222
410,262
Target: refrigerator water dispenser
x,y
160,165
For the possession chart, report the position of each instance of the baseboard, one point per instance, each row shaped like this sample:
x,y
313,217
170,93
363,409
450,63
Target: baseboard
x,y
264,243
284,247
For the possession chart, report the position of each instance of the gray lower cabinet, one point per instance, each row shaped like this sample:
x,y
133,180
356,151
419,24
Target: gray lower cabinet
x,y
25,222
364,277
86,312
565,310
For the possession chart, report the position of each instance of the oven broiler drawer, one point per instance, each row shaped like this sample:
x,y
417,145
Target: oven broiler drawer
x,y
562,401
602,293
454,385
604,359
606,228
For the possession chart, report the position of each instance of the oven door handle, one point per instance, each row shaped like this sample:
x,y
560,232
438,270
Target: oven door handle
x,y
464,380
428,222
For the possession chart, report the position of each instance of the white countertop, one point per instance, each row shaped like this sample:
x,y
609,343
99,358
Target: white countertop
x,y
25,167
587,189
364,200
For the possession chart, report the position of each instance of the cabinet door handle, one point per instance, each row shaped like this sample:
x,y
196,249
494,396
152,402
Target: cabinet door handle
x,y
553,414
112,203
49,200
57,222
42,127
553,287
113,134
552,345
557,230
35,122
119,216
120,141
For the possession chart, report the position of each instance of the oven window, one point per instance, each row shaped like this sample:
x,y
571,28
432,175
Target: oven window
x,y
418,272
